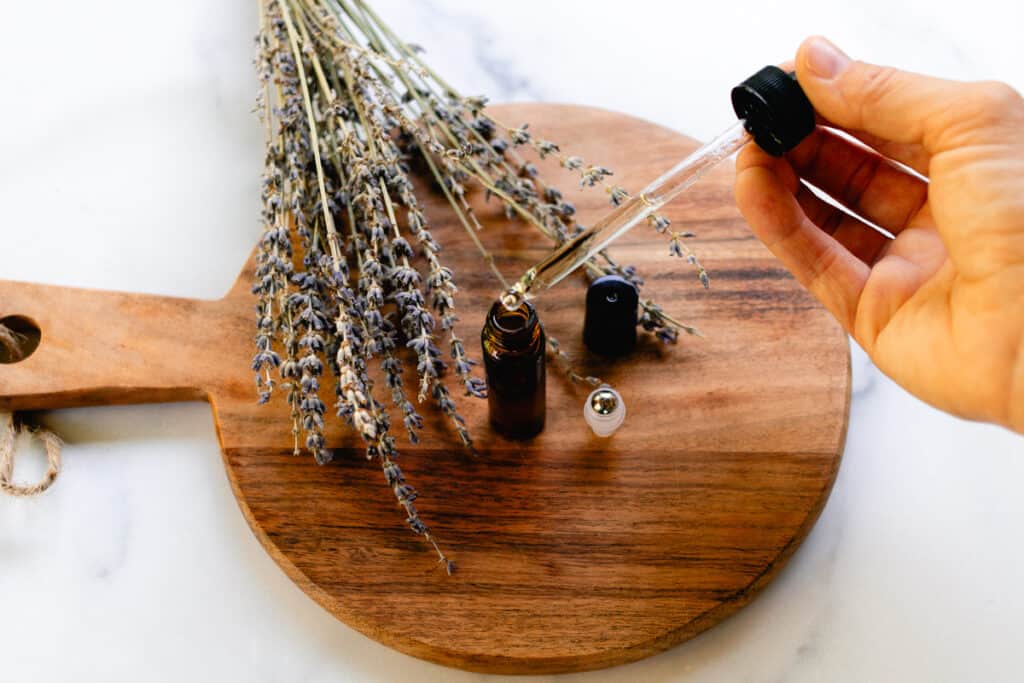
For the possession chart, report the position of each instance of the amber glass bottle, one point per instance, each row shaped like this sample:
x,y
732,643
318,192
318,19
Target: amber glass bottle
x,y
513,343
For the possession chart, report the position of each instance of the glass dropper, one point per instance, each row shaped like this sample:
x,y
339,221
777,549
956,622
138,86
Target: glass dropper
x,y
773,111
578,250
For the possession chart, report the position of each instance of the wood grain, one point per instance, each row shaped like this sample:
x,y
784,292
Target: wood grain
x,y
573,552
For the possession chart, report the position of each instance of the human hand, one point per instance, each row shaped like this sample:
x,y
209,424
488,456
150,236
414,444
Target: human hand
x,y
940,308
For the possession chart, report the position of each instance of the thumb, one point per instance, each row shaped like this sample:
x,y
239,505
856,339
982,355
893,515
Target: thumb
x,y
888,103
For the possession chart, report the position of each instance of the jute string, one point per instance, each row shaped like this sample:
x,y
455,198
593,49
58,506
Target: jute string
x,y
9,432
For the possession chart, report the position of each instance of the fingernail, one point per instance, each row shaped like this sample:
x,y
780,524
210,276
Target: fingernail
x,y
824,59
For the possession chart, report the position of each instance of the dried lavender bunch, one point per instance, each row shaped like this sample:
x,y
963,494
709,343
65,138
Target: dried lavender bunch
x,y
345,104
478,148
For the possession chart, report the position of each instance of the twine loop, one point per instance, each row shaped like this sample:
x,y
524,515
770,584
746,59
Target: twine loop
x,y
8,435
9,432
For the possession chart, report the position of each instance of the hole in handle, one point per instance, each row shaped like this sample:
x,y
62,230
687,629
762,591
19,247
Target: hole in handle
x,y
19,338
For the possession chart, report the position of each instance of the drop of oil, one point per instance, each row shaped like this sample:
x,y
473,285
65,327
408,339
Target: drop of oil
x,y
512,299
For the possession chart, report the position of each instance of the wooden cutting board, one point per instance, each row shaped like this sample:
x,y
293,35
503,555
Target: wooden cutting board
x,y
573,552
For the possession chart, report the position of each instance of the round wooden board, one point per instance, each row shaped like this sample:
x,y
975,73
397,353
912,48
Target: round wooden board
x,y
572,552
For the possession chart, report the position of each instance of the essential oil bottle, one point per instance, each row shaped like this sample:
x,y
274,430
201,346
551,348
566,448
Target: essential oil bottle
x,y
513,344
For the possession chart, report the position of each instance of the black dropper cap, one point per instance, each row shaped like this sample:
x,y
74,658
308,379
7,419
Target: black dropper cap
x,y
775,110
609,328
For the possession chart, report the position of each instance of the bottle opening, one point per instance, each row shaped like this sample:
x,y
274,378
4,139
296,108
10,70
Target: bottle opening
x,y
513,328
512,322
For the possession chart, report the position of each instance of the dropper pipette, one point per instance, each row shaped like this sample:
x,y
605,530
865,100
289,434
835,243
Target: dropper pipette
x,y
773,112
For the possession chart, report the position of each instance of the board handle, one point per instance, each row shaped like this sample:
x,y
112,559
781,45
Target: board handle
x,y
103,348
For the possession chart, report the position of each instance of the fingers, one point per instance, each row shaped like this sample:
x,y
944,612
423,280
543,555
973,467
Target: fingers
x,y
859,238
894,105
909,262
766,196
911,155
861,179
968,134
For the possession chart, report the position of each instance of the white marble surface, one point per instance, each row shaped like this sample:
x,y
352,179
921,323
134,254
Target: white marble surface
x,y
130,161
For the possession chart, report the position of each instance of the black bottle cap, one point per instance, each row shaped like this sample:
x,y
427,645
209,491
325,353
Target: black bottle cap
x,y
609,328
776,110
